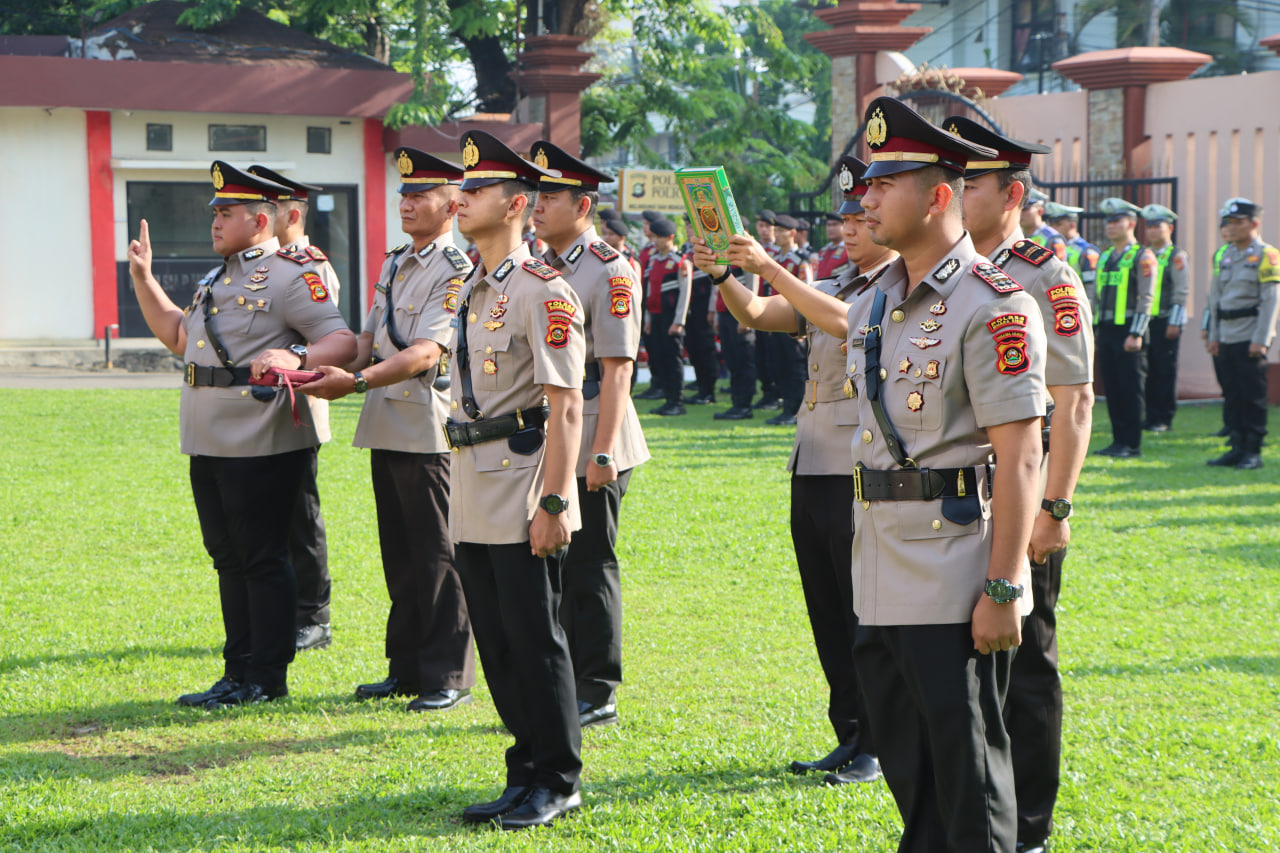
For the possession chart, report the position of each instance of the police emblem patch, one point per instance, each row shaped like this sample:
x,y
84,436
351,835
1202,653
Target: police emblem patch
x,y
251,254
620,296
470,154
451,295
915,401
931,369
877,129
1011,351
427,250
846,179
559,321
1066,319
504,270
318,291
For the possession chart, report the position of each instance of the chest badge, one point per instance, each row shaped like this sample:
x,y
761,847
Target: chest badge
x,y
931,369
931,325
257,277
915,401
493,325
904,366
938,308
255,287
490,367
925,343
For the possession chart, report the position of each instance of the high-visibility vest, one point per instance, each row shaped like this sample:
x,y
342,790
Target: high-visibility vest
x,y
1157,288
1119,281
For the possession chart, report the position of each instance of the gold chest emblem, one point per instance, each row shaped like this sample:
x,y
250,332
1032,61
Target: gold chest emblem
x,y
470,154
877,129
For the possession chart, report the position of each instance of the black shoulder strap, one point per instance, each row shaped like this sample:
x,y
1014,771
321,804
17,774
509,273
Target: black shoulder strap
x,y
871,345
209,330
464,362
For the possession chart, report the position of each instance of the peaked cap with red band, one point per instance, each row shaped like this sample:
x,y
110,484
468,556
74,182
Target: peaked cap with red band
x,y
298,191
1010,153
849,180
572,172
487,160
902,140
232,186
421,171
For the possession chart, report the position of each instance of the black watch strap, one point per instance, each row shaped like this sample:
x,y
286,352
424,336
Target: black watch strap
x,y
728,271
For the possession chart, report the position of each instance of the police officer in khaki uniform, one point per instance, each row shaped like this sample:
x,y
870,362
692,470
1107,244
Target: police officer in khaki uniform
x,y
1170,287
399,371
515,426
612,442
821,488
941,537
1243,311
1126,272
308,545
993,193
254,312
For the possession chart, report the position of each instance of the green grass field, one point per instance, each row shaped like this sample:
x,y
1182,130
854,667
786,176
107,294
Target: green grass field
x,y
108,610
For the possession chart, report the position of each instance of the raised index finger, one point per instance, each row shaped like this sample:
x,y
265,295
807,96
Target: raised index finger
x,y
144,234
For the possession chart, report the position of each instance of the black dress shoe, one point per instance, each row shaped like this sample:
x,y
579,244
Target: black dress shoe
x,y
1156,427
1124,452
669,409
1037,847
512,797
691,386
1229,459
700,399
1109,450
604,714
769,404
441,700
542,808
653,392
833,761
220,688
734,414
1249,462
246,694
863,768
783,419
391,686
313,637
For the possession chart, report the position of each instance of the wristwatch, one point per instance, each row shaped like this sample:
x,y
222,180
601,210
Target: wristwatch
x,y
362,384
1059,510
604,460
553,504
1002,592
301,352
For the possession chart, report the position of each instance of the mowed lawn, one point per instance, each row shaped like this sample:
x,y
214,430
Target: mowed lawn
x,y
108,610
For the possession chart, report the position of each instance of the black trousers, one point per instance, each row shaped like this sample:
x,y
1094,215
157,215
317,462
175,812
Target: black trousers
x,y
591,608
764,366
1219,373
309,552
934,708
514,601
822,533
787,361
428,630
700,339
1124,377
235,499
668,362
1033,707
740,358
1162,373
1244,395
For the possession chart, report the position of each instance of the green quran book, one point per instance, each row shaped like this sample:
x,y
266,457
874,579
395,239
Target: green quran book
x,y
709,202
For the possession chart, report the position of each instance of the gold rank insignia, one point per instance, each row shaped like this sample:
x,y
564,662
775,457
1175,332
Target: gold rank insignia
x,y
470,154
938,308
404,164
255,287
904,366
931,325
931,369
915,401
490,367
877,129
493,325
218,181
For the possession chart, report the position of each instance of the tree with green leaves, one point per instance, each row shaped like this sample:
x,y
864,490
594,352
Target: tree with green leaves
x,y
1206,26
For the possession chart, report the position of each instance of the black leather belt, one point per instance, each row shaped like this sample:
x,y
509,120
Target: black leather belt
x,y
916,484
201,376
591,381
1237,313
492,429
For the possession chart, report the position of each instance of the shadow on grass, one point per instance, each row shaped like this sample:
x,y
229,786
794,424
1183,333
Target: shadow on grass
x,y
12,663
1244,664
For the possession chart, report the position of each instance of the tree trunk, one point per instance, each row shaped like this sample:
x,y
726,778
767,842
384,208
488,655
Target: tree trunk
x,y
1153,23
495,88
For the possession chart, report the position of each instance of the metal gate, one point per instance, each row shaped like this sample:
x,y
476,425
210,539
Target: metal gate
x,y
1089,194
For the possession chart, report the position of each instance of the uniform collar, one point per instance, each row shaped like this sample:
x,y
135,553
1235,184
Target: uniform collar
x,y
507,268
577,249
942,279
429,251
251,257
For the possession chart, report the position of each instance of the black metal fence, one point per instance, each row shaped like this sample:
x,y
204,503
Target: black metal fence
x,y
1089,194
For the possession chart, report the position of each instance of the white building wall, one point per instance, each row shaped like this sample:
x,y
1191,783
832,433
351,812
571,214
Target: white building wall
x,y
966,34
46,272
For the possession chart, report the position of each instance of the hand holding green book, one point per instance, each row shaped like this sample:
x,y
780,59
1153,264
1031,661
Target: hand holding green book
x,y
708,200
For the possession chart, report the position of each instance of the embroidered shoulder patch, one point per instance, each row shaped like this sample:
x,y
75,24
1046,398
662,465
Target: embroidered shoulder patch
x,y
560,314
540,269
314,253
603,251
620,296
1005,321
1011,351
996,277
295,256
1063,291
319,293
1031,252
456,258
1147,265
451,295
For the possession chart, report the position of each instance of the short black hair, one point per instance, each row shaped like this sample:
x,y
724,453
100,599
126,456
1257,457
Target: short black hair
x,y
576,193
931,176
1023,176
511,189
268,207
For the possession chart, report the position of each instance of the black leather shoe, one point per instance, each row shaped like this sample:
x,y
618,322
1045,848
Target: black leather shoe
x,y
313,637
691,386
543,807
220,688
1109,450
441,700
669,409
833,761
485,812
734,414
605,714
783,419
653,392
1249,462
385,689
863,768
1229,459
769,404
1156,427
1123,452
1037,847
246,694
700,399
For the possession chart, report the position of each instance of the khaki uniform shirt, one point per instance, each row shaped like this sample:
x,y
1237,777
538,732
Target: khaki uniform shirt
x,y
407,416
825,423
523,331
1068,318
320,263
1246,278
263,301
981,356
609,290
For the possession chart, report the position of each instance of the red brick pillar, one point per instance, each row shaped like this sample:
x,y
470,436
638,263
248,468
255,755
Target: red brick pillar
x,y
549,72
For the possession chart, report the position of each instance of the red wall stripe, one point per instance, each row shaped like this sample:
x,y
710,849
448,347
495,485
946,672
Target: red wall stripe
x,y
375,205
101,220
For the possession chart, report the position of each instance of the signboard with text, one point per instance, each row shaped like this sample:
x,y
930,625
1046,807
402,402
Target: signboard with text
x,y
650,189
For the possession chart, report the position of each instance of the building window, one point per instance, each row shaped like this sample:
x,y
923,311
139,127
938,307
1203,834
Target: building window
x,y
237,137
319,140
159,137
1036,40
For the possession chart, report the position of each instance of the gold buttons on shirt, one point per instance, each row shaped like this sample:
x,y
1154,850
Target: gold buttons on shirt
x,y
375,346
884,374
213,310
488,350
454,449
406,393
471,318
866,436
866,505
815,368
199,344
917,373
937,525
227,280
410,308
453,406
809,403
239,300
400,277
898,315
506,463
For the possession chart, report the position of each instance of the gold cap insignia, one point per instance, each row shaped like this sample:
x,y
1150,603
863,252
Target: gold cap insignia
x,y
218,181
540,158
877,129
846,179
954,131
470,154
404,164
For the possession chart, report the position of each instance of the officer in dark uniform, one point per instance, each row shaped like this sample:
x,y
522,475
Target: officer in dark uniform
x,y
786,353
651,343
256,311
770,398
667,282
700,336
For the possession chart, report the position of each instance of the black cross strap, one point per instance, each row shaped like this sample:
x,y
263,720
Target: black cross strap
x,y
209,329
464,362
871,345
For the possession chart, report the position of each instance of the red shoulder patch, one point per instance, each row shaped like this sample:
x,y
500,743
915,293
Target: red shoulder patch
x,y
999,280
604,251
620,296
540,269
319,293
314,253
1031,252
560,314
296,257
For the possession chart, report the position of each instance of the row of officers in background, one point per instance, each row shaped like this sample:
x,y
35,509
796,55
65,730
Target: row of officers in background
x,y
940,338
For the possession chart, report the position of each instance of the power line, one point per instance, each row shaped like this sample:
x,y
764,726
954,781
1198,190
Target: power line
x,y
970,33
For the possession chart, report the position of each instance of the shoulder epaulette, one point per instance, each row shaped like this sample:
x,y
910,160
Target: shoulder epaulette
x,y
1032,253
398,249
315,254
456,258
603,251
540,269
871,281
998,279
294,255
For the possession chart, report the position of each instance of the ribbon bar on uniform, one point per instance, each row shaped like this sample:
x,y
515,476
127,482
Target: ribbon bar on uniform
x,y
492,429
916,484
